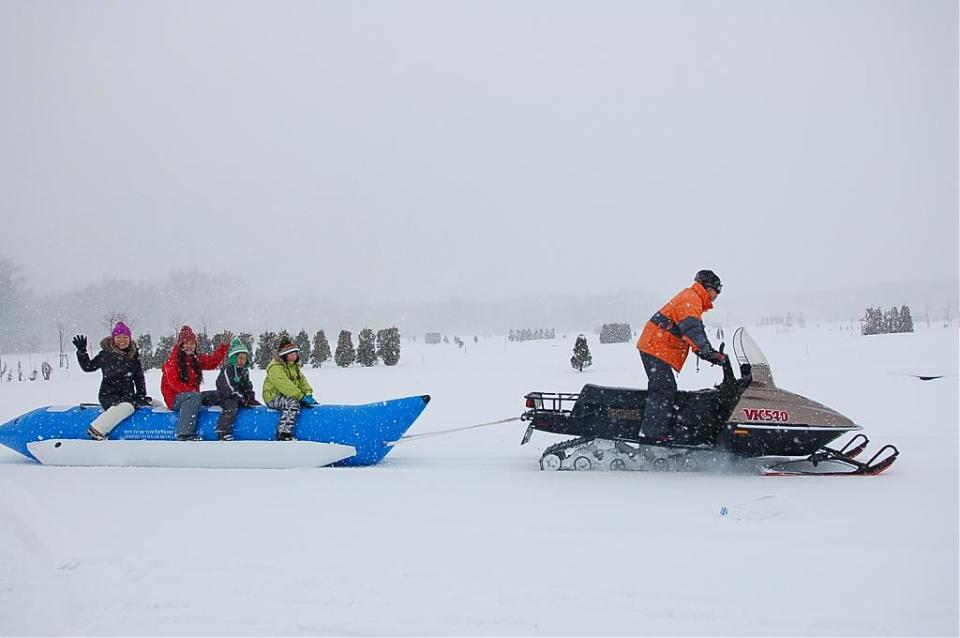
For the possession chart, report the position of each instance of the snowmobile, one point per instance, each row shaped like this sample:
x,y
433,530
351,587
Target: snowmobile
x,y
746,422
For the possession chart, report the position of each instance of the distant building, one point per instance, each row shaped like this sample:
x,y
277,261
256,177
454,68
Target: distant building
x,y
432,337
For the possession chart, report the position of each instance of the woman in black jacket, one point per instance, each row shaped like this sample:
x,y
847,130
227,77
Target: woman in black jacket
x,y
123,388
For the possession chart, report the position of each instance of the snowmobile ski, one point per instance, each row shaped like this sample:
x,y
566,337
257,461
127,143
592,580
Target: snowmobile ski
x,y
830,463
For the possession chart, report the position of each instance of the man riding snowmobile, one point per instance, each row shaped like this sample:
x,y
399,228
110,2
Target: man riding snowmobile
x,y
665,343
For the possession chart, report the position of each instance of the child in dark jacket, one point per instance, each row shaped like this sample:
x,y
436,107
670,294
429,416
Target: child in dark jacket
x,y
234,388
123,388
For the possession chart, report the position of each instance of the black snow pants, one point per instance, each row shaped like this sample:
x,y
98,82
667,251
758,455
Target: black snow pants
x,y
661,392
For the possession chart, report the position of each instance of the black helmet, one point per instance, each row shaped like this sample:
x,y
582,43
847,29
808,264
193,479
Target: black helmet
x,y
709,279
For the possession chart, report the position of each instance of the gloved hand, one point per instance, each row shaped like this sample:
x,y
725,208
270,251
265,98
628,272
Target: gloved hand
x,y
251,402
717,358
143,402
308,401
80,342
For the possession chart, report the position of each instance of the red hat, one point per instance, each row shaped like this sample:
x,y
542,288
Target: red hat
x,y
186,334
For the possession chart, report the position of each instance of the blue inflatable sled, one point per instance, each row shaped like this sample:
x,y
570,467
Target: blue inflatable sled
x,y
370,429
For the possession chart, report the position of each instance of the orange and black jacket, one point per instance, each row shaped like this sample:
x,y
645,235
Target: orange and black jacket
x,y
677,327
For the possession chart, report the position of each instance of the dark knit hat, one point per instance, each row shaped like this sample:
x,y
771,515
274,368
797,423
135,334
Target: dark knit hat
x,y
709,279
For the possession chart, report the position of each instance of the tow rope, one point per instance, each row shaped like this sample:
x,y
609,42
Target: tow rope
x,y
412,437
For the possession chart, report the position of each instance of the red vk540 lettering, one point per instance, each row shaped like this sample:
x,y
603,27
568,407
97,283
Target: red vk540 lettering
x,y
761,414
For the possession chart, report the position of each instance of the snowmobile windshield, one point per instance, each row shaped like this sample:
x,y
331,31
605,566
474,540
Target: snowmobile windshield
x,y
748,351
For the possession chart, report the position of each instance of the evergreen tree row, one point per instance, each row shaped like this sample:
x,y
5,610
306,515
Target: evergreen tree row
x,y
616,333
528,334
384,345
789,320
155,356
876,322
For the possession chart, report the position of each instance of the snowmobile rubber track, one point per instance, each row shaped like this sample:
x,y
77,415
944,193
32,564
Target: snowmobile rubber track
x,y
567,444
561,447
620,455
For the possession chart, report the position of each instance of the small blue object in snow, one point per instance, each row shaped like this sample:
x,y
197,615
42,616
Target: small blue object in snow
x,y
723,511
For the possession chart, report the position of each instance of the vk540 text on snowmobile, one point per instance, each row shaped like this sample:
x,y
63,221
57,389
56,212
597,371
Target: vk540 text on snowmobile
x,y
746,422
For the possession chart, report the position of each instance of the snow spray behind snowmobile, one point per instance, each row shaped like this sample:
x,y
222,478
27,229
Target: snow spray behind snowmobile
x,y
745,418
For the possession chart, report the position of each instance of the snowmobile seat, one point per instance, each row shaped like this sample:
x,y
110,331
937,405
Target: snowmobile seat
x,y
613,412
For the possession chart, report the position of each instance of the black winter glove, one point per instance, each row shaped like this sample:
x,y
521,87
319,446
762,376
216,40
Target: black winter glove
x,y
716,358
143,402
81,343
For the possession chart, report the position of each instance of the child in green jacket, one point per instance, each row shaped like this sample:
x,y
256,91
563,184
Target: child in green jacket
x,y
286,389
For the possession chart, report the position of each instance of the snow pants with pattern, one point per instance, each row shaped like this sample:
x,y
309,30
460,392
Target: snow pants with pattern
x,y
289,410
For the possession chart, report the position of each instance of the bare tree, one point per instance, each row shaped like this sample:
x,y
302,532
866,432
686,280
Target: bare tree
x,y
61,333
112,318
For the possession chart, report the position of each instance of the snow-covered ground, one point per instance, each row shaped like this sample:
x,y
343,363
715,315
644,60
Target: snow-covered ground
x,y
463,534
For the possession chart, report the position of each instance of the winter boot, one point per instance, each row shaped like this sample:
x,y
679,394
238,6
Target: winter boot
x,y
284,436
188,437
224,436
95,434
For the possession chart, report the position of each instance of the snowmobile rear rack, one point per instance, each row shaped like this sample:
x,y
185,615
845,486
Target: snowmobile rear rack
x,y
551,402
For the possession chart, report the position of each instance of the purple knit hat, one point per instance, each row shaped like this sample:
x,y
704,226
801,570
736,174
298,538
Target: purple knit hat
x,y
121,329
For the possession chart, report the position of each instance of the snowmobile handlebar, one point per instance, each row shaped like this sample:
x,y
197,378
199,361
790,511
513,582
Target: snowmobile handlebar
x,y
746,372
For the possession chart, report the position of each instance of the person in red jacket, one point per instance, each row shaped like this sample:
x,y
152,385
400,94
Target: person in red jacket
x,y
666,341
182,376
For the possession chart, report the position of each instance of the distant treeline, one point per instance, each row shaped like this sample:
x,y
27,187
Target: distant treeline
x,y
788,320
616,333
876,321
529,334
384,345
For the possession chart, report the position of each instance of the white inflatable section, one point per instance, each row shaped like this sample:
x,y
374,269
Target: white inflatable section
x,y
202,454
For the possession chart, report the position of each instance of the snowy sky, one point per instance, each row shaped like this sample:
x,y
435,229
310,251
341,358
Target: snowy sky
x,y
485,148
